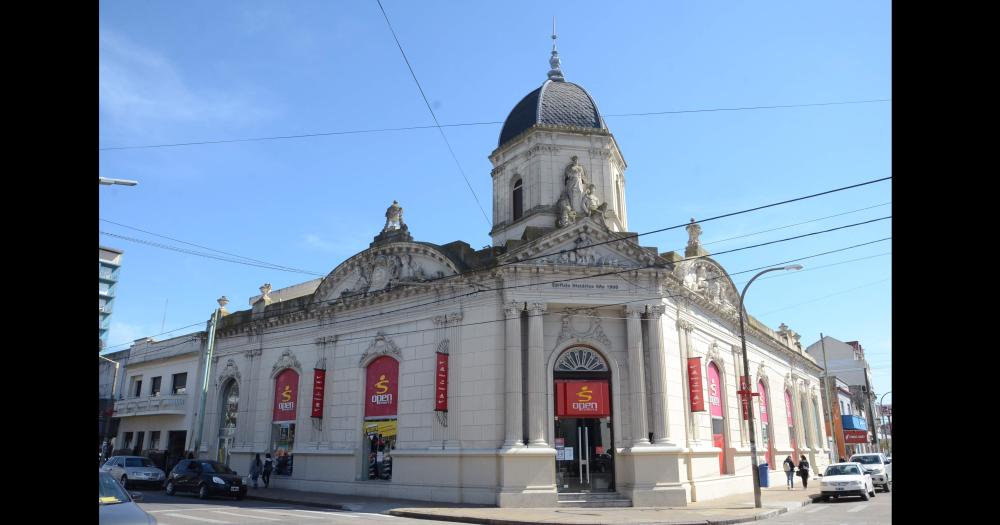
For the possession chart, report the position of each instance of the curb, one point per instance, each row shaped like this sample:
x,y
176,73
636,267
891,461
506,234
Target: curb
x,y
500,521
305,503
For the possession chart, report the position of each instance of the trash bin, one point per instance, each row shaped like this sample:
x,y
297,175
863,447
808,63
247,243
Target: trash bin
x,y
762,468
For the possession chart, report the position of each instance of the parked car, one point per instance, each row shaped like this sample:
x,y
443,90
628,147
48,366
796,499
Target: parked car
x,y
879,466
117,506
205,478
134,471
846,479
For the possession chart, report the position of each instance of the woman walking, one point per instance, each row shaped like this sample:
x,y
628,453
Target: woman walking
x,y
268,467
789,467
804,471
255,470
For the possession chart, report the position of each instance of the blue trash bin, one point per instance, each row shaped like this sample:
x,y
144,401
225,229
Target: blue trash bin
x,y
762,468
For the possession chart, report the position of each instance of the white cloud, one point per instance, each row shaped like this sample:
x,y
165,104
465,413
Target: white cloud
x,y
139,87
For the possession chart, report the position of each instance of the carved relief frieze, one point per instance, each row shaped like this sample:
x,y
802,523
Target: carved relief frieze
x,y
286,360
582,325
382,345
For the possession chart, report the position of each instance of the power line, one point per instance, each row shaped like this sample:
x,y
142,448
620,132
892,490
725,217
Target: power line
x,y
161,333
276,266
436,123
467,124
828,296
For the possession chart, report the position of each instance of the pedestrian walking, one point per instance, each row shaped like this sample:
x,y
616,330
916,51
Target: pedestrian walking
x,y
804,471
268,467
789,467
255,470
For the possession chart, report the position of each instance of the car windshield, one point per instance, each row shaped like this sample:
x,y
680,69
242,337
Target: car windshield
x,y
214,466
842,470
110,491
138,462
867,460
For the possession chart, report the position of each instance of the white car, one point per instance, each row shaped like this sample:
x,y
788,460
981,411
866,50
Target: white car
x,y
134,471
879,466
846,479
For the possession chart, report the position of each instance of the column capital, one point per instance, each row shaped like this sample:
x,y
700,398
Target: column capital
x,y
448,319
685,325
633,312
513,309
537,308
655,310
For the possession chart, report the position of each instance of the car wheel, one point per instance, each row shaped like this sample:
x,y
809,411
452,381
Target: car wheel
x,y
171,489
203,492
125,481
886,487
239,497
865,496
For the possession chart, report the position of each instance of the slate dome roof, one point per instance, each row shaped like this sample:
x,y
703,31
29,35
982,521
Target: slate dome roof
x,y
555,103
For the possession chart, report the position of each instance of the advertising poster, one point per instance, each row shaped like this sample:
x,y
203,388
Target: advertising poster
x,y
381,387
286,391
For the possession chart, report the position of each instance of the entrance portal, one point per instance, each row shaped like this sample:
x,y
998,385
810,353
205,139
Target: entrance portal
x,y
584,439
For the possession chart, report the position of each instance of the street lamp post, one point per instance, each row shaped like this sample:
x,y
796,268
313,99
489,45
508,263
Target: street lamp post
x,y
889,415
104,181
747,391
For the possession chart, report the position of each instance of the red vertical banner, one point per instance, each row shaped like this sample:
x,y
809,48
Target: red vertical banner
x,y
441,383
286,392
319,386
381,387
694,385
745,398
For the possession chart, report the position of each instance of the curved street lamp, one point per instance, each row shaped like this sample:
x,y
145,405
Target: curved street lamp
x,y
747,391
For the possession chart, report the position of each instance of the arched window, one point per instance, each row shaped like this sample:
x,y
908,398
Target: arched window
x,y
518,199
719,438
790,421
230,400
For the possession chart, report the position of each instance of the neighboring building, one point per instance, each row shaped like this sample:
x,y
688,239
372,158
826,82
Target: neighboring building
x,y
848,366
158,407
445,373
107,423
109,264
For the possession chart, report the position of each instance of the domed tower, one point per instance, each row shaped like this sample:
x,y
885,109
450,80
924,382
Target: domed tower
x,y
556,162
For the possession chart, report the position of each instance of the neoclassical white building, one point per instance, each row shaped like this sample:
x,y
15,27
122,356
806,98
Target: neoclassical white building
x,y
564,362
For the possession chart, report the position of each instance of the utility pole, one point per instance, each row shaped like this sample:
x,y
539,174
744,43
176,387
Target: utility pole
x,y
206,377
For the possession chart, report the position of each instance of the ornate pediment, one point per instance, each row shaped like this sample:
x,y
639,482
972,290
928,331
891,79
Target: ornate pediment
x,y
706,278
380,268
230,371
382,345
585,244
287,360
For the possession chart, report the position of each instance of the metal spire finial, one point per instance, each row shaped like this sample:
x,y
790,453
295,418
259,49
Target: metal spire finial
x,y
555,73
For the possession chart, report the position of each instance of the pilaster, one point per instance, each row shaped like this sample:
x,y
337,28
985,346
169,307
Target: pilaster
x,y
512,376
637,385
536,376
657,362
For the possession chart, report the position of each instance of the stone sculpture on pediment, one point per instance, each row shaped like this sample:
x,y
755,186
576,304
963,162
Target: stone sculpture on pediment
x,y
578,198
393,217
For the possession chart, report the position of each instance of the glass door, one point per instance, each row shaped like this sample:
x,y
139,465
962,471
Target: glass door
x,y
583,455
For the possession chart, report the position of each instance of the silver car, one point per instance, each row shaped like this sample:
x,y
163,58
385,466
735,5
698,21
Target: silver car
x,y
117,506
134,471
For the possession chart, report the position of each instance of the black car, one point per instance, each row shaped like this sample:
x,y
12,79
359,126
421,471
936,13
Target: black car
x,y
205,478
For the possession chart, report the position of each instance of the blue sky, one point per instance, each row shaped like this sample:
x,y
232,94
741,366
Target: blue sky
x,y
175,72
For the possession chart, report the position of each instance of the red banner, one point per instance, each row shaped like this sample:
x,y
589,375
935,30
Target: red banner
x,y
286,393
381,387
788,409
694,385
762,390
855,436
319,386
745,398
714,391
582,398
441,385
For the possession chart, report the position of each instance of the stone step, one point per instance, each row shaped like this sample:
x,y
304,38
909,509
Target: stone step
x,y
593,499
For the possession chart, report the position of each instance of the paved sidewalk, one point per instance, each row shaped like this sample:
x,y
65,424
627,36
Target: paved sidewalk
x,y
731,509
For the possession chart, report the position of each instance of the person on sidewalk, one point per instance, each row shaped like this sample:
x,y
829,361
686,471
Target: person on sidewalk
x,y
268,467
789,467
804,471
255,470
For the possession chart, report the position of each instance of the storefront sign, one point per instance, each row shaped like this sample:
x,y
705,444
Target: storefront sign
x,y
319,386
694,385
381,387
855,436
714,391
582,398
286,392
441,386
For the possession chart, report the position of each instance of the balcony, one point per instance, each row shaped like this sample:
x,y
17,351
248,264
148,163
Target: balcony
x,y
854,423
152,406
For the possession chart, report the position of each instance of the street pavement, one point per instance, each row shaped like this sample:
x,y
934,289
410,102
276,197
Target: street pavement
x,y
878,510
187,509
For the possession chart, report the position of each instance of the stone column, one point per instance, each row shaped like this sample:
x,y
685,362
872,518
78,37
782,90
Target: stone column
x,y
536,376
512,376
801,427
657,363
690,423
637,377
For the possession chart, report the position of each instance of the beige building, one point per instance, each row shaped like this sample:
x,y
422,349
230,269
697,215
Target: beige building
x,y
565,362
